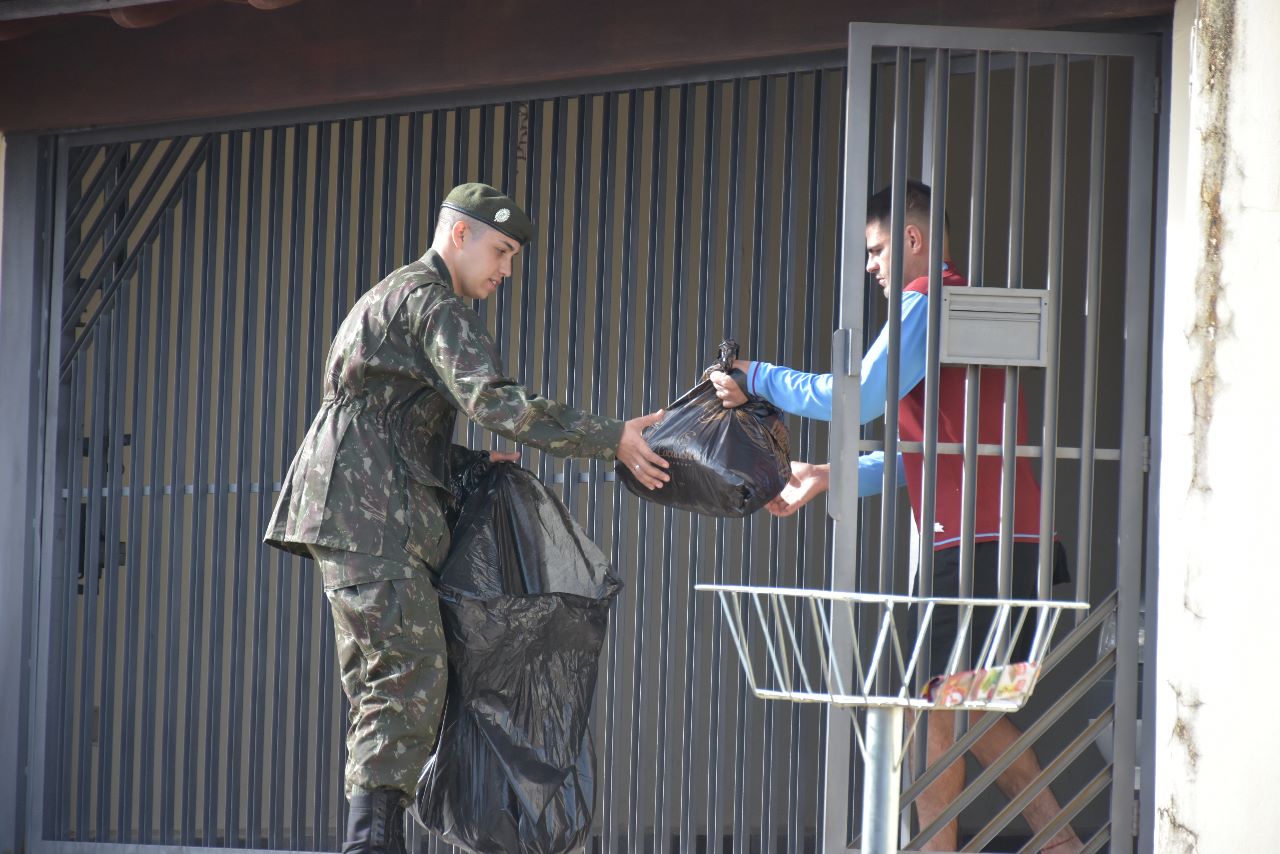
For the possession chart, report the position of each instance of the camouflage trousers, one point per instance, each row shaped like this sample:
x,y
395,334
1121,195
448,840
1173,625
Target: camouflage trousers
x,y
391,658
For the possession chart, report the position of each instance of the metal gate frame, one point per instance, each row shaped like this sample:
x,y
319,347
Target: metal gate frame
x,y
864,39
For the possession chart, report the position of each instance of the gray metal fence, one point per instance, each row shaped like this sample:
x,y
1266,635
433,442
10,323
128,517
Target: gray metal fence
x,y
1041,147
191,690
187,673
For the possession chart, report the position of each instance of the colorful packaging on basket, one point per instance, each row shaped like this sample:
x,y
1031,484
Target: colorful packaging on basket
x,y
1011,683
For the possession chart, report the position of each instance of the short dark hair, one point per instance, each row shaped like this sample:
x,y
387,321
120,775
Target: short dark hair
x,y
448,216
916,209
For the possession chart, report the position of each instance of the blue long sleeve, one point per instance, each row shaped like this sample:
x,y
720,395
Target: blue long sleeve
x,y
810,395
871,473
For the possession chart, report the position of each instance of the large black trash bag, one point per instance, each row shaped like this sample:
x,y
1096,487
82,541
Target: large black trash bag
x,y
724,462
525,599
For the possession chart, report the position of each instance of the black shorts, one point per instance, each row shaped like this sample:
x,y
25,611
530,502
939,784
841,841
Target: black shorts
x,y
986,567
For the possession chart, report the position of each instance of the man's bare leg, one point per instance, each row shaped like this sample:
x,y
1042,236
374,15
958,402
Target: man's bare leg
x,y
996,741
1044,807
946,788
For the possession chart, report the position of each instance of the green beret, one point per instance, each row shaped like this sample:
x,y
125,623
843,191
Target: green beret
x,y
493,208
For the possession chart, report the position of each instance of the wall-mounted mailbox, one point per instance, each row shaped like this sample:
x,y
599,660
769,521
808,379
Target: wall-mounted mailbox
x,y
996,326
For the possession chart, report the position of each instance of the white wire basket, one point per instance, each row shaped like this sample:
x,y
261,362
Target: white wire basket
x,y
871,650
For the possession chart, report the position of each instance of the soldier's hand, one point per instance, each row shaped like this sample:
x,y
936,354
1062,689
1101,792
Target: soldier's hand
x,y
727,388
807,482
634,452
504,456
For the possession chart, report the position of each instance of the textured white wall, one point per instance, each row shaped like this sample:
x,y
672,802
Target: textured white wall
x,y
1217,751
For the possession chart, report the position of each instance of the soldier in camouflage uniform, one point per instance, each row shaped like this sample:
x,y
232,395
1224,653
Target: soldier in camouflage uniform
x,y
363,495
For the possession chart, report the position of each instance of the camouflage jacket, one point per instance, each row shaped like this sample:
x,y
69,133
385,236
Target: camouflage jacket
x,y
374,467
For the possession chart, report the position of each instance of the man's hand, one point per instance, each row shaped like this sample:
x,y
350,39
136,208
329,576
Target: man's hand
x,y
727,388
504,456
634,452
807,482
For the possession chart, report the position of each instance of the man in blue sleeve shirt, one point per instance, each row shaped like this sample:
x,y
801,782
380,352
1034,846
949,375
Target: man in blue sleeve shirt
x,y
810,395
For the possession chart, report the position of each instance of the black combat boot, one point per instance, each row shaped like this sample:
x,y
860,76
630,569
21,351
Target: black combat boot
x,y
375,824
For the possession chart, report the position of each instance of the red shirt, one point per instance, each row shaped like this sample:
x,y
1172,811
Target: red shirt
x,y
950,479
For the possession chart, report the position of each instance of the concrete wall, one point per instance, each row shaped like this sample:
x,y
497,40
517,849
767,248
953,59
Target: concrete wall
x,y
1218,761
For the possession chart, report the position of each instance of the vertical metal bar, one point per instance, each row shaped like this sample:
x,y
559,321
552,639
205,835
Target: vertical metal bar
x,y
1151,589
139,497
101,537
1009,432
549,289
575,352
928,134
186,241
108,695
510,143
730,313
678,358
937,101
72,559
325,690
838,744
937,166
244,533
275,798
169,786
413,191
390,188
162,383
342,223
1092,312
533,192
1133,424
694,636
463,171
817,192
785,228
260,488
305,605
657,174
1049,443
484,169
364,222
89,588
746,706
629,225
973,375
48,775
202,420
435,187
461,145
880,794
214,754
604,278
893,324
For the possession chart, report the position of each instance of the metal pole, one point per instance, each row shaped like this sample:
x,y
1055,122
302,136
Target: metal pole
x,y
882,784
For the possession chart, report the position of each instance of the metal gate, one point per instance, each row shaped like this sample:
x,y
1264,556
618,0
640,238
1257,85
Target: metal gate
x,y
191,697
1041,148
187,693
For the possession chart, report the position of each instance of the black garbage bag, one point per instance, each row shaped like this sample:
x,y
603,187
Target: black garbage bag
x,y
525,598
724,462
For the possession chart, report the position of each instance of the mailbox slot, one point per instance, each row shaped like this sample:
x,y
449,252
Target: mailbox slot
x,y
996,326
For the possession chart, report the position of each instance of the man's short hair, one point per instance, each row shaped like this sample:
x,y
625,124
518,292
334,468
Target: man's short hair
x,y
448,216
916,207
